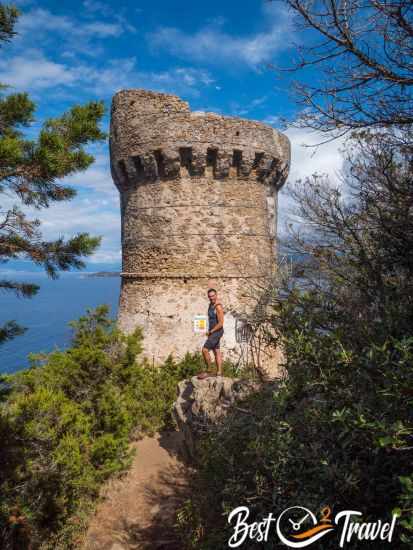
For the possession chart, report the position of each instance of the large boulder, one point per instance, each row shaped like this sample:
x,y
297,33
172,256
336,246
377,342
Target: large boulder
x,y
202,403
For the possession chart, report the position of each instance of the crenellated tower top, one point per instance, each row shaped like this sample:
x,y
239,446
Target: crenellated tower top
x,y
155,136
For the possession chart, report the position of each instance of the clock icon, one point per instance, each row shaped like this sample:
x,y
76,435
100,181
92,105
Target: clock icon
x,y
297,527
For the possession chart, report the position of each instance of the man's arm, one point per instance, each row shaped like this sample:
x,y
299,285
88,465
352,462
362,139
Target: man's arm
x,y
220,315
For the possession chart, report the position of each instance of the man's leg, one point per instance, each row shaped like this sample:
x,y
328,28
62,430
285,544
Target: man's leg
x,y
218,361
207,357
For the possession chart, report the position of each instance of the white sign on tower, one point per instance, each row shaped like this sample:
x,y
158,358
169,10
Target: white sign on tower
x,y
200,324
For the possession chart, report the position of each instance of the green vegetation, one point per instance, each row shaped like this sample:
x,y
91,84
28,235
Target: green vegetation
x,y
30,172
338,432
66,424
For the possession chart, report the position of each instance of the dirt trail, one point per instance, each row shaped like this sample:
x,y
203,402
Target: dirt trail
x,y
138,511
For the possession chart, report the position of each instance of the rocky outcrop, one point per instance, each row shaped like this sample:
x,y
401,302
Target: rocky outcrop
x,y
202,403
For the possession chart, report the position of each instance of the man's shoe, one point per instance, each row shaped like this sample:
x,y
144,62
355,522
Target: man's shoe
x,y
203,375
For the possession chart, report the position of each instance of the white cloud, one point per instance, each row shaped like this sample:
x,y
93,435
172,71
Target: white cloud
x,y
307,160
97,177
122,73
96,6
178,78
211,44
34,71
92,215
101,29
121,15
243,108
105,256
43,21
86,214
68,34
60,64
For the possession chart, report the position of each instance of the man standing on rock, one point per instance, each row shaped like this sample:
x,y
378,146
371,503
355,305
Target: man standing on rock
x,y
215,332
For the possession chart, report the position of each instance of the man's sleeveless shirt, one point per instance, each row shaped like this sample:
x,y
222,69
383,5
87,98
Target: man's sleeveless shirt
x,y
213,318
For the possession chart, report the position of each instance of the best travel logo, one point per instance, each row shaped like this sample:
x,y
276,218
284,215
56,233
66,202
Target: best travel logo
x,y
298,527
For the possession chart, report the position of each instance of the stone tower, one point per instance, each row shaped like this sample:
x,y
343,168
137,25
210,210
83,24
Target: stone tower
x,y
198,195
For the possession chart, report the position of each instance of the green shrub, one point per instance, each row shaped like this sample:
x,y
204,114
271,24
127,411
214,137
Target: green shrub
x,y
320,438
66,424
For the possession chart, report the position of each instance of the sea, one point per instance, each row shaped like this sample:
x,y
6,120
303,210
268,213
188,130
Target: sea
x,y
47,314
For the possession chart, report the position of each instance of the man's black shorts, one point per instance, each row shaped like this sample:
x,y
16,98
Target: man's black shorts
x,y
212,342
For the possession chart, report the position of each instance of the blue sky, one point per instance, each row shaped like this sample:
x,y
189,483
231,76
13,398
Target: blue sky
x,y
213,54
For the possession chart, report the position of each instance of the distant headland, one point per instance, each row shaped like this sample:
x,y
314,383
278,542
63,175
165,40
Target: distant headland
x,y
103,274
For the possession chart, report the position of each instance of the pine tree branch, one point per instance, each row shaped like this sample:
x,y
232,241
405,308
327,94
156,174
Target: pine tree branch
x,y
10,330
23,290
8,18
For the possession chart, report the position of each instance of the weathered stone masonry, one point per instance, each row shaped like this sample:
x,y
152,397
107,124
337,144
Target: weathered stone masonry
x,y
198,204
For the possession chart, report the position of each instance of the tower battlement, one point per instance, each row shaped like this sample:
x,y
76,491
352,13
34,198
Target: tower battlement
x,y
198,194
156,136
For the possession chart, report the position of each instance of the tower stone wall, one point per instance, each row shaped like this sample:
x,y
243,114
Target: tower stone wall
x,y
198,195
